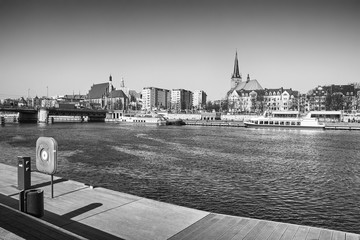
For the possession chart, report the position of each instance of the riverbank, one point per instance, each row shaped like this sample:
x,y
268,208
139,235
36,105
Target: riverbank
x,y
80,211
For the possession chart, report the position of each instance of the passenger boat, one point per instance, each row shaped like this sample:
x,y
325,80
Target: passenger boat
x,y
158,120
284,119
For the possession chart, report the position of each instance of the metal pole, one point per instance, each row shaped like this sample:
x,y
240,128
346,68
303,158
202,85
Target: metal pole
x,y
52,186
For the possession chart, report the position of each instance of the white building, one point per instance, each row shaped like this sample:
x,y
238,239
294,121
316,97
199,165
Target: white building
x,y
199,99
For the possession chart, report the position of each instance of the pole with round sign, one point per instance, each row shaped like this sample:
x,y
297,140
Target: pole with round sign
x,y
46,157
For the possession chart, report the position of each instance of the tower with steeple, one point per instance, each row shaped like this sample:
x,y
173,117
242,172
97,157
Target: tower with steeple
x,y
110,84
236,77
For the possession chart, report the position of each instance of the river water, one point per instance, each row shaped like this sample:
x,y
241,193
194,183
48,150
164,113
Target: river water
x,y
308,177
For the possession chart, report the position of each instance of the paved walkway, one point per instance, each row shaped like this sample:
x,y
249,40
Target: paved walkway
x,y
80,212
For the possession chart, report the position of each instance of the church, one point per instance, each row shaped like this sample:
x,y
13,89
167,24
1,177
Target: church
x,y
243,92
249,96
238,84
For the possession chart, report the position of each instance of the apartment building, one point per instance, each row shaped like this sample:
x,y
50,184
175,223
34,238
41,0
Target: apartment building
x,y
181,100
155,98
199,99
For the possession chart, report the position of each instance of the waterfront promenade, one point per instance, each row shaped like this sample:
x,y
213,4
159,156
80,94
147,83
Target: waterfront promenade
x,y
79,211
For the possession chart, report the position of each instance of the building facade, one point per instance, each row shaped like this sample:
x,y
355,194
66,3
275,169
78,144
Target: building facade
x,y
334,97
99,93
199,99
243,94
155,98
280,99
181,100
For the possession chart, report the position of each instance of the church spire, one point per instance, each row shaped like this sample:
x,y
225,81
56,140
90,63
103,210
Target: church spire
x,y
122,83
236,73
236,77
110,84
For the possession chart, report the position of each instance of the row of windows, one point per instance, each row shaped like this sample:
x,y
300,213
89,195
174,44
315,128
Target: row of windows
x,y
284,123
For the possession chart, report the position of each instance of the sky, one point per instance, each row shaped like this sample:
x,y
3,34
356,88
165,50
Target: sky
x,y
58,47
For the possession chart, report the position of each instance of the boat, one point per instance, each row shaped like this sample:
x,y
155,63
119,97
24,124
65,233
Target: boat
x,y
176,122
145,119
284,119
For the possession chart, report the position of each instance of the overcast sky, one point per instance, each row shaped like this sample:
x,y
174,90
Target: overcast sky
x,y
68,45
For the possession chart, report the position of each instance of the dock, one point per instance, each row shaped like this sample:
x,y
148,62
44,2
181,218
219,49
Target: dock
x,y
80,211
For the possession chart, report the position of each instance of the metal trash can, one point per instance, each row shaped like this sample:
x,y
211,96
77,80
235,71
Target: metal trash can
x,y
24,173
34,202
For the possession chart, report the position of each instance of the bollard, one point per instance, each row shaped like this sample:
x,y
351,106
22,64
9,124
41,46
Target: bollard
x,y
24,173
34,202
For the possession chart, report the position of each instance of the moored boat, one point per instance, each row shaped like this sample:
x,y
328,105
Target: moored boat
x,y
284,119
146,119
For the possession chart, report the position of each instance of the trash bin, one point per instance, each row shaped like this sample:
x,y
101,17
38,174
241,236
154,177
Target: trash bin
x,y
34,202
24,173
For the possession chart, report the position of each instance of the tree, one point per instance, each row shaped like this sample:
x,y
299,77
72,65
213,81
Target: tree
x,y
337,101
209,106
224,105
260,99
328,102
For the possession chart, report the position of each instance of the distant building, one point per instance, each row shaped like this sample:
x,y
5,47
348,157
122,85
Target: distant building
x,y
241,89
181,100
238,84
22,102
135,100
77,100
105,96
155,98
118,100
199,99
281,99
334,97
263,100
99,93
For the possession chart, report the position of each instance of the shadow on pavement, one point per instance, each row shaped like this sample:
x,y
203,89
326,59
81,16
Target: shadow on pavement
x,y
29,227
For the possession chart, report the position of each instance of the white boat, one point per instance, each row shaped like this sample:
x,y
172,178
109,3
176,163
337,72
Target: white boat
x,y
284,119
159,120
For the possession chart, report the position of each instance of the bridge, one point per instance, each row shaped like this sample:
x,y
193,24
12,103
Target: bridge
x,y
44,115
